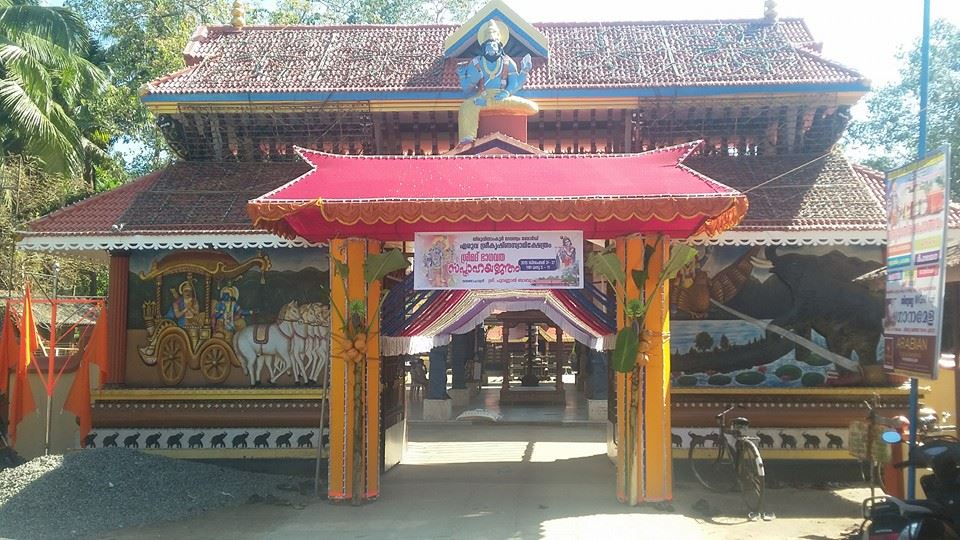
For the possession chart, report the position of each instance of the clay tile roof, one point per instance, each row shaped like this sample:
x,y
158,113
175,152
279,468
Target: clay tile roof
x,y
582,55
184,197
801,192
96,214
813,194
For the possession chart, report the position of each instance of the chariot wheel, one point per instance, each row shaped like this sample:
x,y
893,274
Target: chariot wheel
x,y
215,360
173,353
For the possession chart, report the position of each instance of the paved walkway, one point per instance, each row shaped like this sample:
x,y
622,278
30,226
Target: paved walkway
x,y
518,481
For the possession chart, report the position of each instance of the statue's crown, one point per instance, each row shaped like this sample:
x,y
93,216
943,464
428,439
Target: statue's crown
x,y
493,30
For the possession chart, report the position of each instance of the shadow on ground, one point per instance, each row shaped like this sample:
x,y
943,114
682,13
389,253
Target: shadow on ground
x,y
491,481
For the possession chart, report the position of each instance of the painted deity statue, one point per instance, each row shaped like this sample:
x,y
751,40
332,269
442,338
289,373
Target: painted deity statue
x,y
491,80
185,308
228,316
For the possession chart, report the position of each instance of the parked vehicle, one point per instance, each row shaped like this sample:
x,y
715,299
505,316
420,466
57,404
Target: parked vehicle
x,y
890,518
727,465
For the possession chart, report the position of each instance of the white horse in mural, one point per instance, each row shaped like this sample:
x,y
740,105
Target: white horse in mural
x,y
317,319
298,344
278,342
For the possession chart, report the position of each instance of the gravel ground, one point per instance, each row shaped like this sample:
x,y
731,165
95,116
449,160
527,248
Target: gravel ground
x,y
83,493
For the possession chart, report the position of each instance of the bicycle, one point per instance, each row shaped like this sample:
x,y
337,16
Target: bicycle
x,y
731,465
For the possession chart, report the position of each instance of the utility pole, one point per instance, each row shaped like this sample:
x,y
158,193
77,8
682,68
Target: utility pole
x,y
921,152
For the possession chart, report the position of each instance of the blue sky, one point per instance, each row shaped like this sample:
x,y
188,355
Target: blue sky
x,y
862,34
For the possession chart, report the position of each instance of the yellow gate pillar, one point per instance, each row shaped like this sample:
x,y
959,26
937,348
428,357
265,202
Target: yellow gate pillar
x,y
354,399
644,465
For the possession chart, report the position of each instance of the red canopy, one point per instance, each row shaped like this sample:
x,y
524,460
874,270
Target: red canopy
x,y
603,195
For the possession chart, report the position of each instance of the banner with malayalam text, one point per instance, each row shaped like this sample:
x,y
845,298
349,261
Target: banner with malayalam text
x,y
917,201
499,260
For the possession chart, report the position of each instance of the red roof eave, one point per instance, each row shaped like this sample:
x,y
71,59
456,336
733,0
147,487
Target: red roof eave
x,y
391,197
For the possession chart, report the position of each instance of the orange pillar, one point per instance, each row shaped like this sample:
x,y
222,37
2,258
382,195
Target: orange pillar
x,y
658,452
354,470
644,466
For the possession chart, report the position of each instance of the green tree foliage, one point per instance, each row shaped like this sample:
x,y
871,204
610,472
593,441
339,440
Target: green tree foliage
x,y
890,133
52,142
703,341
28,192
47,83
144,39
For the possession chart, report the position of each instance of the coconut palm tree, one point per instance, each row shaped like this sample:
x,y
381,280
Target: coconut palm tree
x,y
45,78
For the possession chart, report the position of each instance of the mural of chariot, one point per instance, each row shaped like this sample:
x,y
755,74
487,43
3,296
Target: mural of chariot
x,y
207,316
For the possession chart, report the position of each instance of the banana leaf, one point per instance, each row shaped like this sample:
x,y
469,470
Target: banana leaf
x,y
378,266
680,256
625,350
608,266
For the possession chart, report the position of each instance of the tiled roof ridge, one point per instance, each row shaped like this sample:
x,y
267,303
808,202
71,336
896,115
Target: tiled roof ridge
x,y
806,30
137,185
678,22
206,33
866,169
819,56
150,87
874,180
228,29
200,35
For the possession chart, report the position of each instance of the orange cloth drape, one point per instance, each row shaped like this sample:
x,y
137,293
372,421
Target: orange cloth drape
x,y
22,402
78,399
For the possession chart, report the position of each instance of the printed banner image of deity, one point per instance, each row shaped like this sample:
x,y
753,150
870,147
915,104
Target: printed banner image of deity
x,y
567,261
440,253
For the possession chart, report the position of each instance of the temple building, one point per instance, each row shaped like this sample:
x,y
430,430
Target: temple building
x,y
302,150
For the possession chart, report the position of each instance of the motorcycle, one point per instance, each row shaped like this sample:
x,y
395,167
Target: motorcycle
x,y
938,516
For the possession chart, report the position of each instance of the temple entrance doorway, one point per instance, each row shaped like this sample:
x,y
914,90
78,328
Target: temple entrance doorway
x,y
514,367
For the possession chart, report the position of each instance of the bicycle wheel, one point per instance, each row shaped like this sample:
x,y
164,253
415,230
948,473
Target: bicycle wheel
x,y
750,475
713,466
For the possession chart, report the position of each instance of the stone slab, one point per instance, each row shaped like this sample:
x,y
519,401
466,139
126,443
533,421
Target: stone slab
x,y
597,410
437,410
459,396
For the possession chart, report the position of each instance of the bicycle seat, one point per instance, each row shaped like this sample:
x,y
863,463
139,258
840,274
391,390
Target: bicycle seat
x,y
740,423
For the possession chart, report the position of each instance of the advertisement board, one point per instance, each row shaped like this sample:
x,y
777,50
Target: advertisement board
x,y
499,260
918,198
